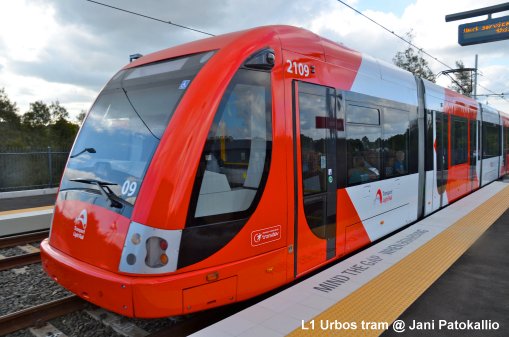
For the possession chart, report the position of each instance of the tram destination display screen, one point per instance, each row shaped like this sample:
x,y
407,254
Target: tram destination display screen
x,y
483,31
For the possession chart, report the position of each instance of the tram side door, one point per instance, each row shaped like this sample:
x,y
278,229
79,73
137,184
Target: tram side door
x,y
473,155
314,131
442,149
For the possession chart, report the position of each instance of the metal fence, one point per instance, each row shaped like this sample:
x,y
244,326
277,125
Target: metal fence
x,y
25,170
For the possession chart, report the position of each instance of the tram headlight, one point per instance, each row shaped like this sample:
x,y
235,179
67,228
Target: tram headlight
x,y
156,248
164,259
149,250
163,244
136,238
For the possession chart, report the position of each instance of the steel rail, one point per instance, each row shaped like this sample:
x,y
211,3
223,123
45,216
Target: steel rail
x,y
23,239
40,313
19,261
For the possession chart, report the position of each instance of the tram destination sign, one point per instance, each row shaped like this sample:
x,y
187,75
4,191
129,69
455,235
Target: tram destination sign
x,y
483,31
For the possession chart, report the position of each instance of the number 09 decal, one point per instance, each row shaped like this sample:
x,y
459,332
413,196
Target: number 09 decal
x,y
129,188
298,68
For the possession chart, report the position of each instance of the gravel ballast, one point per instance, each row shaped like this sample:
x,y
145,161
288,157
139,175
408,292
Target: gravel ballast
x,y
27,286
24,287
80,324
11,251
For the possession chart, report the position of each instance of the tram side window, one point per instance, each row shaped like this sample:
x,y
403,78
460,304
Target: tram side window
x,y
396,139
490,140
473,142
362,115
364,137
442,141
429,141
506,139
237,151
313,142
459,138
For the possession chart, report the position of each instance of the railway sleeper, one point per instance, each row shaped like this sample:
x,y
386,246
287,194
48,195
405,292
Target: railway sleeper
x,y
118,323
47,330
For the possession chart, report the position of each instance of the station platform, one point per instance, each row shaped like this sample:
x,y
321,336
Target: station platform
x,y
447,275
26,214
10,204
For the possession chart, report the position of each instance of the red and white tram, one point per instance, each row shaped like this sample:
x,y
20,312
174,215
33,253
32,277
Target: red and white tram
x,y
217,170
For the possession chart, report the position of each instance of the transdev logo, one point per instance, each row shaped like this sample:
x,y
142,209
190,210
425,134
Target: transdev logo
x,y
80,225
265,235
383,196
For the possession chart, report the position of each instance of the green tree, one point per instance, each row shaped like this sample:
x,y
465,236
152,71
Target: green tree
x,y
413,61
41,126
10,125
463,83
62,134
81,117
8,110
61,131
38,115
58,112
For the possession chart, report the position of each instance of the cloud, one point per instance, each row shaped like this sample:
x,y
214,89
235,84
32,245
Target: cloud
x,y
54,71
426,18
76,46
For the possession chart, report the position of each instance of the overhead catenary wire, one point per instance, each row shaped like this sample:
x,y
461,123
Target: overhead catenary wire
x,y
501,95
398,36
411,44
345,4
151,17
492,95
491,91
452,79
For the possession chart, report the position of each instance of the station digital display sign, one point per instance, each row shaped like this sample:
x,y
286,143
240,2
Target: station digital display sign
x,y
483,31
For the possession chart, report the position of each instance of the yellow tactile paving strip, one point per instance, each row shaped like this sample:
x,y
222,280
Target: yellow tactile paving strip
x,y
388,295
25,210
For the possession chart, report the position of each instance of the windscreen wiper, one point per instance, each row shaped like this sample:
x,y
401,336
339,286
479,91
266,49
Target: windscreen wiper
x,y
104,186
87,149
139,116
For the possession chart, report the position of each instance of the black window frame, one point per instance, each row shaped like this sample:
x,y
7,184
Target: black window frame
x,y
348,125
459,138
242,216
316,203
442,136
362,106
126,89
310,90
411,134
408,144
487,128
429,140
473,142
506,136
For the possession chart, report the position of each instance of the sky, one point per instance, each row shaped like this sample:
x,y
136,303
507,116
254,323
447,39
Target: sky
x,y
67,50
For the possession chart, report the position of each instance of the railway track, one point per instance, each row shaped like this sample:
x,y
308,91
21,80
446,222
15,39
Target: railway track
x,y
35,315
38,317
19,261
21,241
